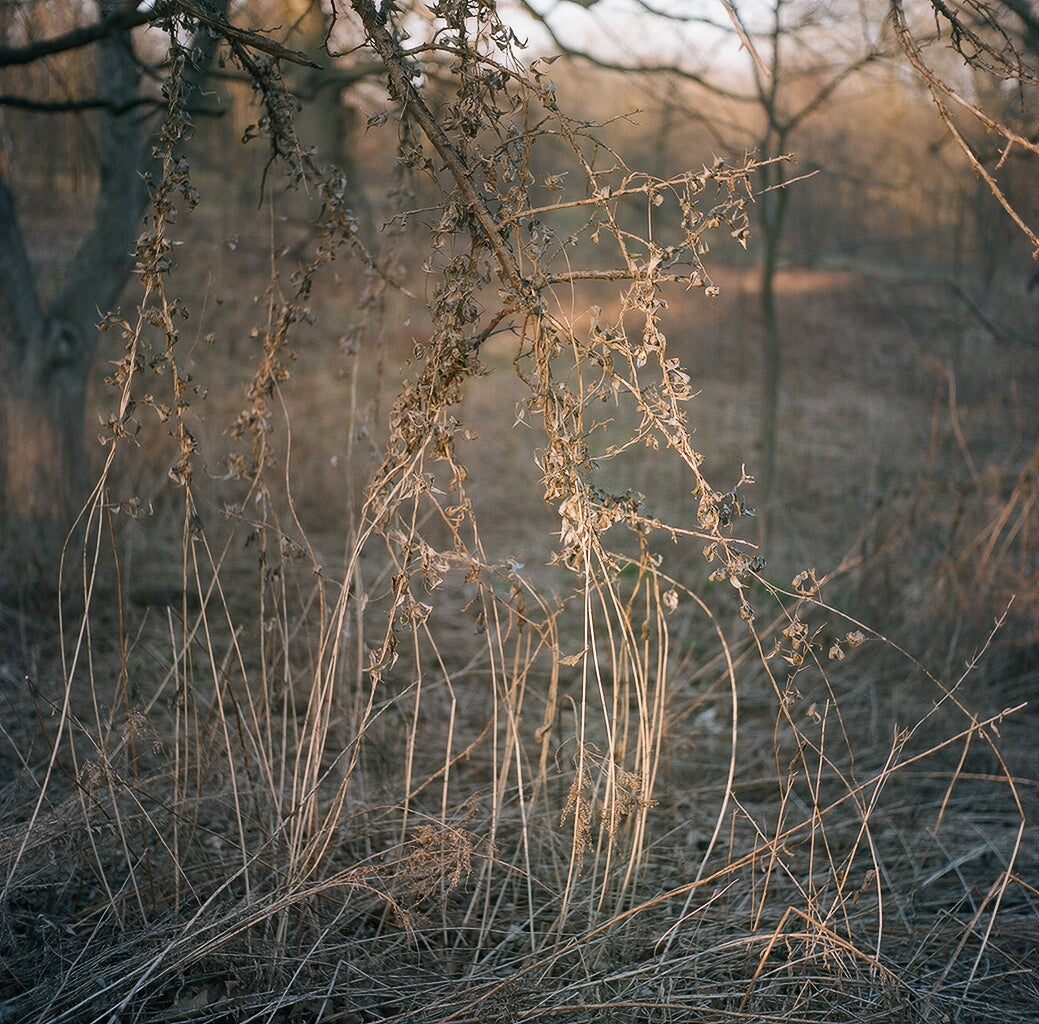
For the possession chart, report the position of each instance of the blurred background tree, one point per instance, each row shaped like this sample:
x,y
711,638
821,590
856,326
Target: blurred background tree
x,y
86,90
824,91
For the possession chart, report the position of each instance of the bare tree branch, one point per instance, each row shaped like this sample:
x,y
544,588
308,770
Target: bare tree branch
x,y
941,91
123,20
251,39
76,106
403,84
120,21
971,35
745,40
641,69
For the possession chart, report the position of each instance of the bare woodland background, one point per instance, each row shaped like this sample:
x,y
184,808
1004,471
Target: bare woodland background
x,y
578,565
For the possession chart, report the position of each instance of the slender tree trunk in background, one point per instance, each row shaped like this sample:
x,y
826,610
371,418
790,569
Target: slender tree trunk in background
x,y
771,80
770,390
772,205
319,122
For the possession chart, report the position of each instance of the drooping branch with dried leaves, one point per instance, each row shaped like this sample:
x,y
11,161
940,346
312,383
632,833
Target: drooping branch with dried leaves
x,y
980,33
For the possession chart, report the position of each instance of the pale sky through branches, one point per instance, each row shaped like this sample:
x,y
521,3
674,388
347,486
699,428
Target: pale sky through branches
x,y
682,33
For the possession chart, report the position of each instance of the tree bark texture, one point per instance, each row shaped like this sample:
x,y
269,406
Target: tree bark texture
x,y
45,355
44,364
42,463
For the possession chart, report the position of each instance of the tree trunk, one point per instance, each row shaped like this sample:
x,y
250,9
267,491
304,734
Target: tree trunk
x,y
772,366
23,425
45,356
772,205
42,465
43,374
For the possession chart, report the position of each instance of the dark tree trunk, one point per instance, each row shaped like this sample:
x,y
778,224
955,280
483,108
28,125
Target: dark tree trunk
x,y
46,354
772,205
42,466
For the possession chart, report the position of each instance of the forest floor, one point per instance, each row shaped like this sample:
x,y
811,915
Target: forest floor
x,y
862,844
